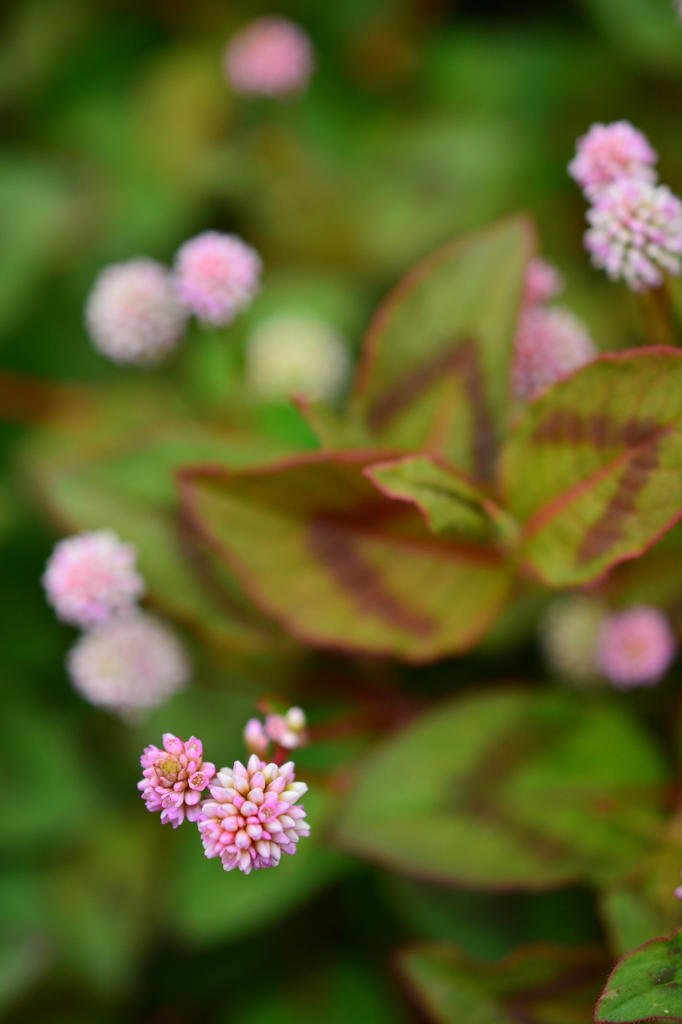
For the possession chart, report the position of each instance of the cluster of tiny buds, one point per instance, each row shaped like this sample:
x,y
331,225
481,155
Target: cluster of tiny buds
x,y
635,229
137,311
251,816
126,661
287,731
550,343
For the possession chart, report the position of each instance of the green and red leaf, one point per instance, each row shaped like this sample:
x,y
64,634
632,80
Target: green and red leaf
x,y
434,374
645,985
540,984
510,788
594,467
340,565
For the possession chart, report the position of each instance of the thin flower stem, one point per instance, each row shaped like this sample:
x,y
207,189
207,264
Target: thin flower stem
x,y
660,321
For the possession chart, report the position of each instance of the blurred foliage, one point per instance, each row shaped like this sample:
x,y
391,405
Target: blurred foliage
x,y
424,120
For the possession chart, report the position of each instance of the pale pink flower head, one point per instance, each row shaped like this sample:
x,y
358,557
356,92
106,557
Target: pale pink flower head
x,y
609,152
133,314
253,815
174,779
269,57
128,665
635,647
636,233
550,344
542,282
217,276
91,578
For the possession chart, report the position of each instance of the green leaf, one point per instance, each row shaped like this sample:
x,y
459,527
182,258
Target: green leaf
x,y
510,788
593,467
543,983
434,373
49,793
24,957
316,546
645,985
446,498
98,902
643,906
343,992
206,904
647,31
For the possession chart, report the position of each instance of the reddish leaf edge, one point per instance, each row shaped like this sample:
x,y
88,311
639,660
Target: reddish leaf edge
x,y
552,508
186,475
407,284
626,956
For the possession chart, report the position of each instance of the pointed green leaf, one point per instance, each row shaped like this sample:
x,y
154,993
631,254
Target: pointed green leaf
x,y
316,546
434,373
543,983
446,498
645,985
594,467
510,788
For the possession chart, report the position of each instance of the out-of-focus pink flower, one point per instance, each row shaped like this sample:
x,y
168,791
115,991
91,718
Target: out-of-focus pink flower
x,y
270,57
174,778
550,344
287,730
91,577
252,815
133,314
217,276
636,233
609,152
254,737
635,647
128,664
542,282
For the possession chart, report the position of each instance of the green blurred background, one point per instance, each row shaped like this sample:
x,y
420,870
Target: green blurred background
x,y
120,137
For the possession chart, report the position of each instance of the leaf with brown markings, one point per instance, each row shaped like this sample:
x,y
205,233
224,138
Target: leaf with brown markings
x,y
542,983
594,468
340,565
434,374
510,788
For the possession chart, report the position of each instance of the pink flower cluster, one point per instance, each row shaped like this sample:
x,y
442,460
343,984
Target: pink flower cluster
x,y
271,56
128,665
252,815
137,311
90,578
217,276
286,731
550,342
635,231
133,314
635,647
174,778
609,152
